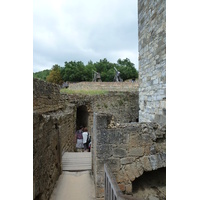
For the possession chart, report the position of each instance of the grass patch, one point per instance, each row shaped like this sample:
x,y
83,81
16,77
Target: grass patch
x,y
85,92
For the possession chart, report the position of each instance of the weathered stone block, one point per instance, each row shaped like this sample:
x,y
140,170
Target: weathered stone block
x,y
146,163
99,178
122,186
121,176
100,165
132,171
104,151
119,153
146,139
99,192
127,160
139,167
114,164
157,161
129,189
135,140
137,151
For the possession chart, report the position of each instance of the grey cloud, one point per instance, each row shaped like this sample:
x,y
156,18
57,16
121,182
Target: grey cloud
x,y
83,31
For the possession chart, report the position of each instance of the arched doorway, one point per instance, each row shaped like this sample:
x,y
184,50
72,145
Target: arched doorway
x,y
81,116
151,184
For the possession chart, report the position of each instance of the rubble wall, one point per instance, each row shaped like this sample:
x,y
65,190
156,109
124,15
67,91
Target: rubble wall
x,y
46,97
54,118
53,134
109,86
129,149
123,105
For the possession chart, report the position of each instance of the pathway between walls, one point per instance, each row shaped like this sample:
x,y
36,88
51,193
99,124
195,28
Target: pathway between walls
x,y
76,181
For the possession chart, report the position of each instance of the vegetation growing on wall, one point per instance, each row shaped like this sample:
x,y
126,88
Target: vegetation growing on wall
x,y
76,71
85,92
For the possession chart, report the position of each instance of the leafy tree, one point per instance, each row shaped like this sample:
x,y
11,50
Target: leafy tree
x,y
77,71
89,70
105,68
73,71
42,74
55,75
127,69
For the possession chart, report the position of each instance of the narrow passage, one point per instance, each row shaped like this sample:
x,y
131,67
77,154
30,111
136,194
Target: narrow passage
x,y
76,181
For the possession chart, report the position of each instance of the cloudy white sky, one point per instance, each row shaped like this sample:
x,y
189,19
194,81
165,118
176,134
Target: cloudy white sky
x,y
83,30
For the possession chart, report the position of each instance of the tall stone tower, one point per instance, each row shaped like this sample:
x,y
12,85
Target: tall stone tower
x,y
152,60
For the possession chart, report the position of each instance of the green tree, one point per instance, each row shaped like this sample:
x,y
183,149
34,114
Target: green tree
x,y
73,71
106,69
127,69
89,71
77,71
55,75
42,74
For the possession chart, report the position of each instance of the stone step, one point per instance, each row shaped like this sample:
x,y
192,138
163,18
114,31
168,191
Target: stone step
x,y
76,161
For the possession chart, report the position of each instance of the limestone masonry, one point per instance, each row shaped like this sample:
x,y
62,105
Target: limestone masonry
x,y
56,118
53,133
129,149
109,86
152,60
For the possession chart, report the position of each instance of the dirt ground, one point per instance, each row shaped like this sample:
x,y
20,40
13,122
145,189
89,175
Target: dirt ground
x,y
74,186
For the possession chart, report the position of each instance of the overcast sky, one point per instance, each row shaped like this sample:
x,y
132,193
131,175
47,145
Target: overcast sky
x,y
83,30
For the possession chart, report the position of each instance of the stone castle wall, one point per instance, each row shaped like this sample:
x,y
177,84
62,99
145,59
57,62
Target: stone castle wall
x,y
109,86
54,118
129,149
123,105
46,97
152,60
53,134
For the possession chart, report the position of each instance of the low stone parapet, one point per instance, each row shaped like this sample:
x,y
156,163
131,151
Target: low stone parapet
x,y
108,86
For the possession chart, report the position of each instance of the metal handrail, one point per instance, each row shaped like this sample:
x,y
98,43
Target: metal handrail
x,y
112,191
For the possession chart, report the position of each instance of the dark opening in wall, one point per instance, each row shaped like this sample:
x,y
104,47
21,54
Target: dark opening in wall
x,y
81,116
150,185
39,196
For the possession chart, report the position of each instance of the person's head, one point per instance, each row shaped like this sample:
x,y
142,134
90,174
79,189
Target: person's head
x,y
81,127
85,129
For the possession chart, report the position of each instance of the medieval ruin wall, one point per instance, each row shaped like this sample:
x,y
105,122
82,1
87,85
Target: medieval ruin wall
x,y
53,134
152,60
123,105
46,97
128,148
109,86
55,118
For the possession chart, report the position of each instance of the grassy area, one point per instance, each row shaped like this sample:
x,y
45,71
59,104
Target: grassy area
x,y
85,92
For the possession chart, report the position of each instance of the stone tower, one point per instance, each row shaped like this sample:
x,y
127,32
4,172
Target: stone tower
x,y
152,60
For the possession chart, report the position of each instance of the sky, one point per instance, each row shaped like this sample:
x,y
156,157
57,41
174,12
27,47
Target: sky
x,y
84,30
